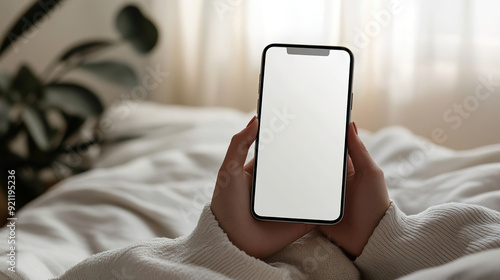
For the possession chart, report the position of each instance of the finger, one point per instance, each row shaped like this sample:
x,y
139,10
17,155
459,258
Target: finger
x,y
249,166
240,143
361,159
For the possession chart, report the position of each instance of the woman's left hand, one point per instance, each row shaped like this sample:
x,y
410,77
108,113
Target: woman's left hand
x,y
231,203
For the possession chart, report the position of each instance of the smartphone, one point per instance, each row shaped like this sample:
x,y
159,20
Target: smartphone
x,y
301,155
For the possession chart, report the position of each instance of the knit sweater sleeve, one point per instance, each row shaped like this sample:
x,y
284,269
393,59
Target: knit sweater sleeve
x,y
404,244
206,253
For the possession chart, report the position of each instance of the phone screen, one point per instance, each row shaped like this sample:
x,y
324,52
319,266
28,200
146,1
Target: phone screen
x,y
300,151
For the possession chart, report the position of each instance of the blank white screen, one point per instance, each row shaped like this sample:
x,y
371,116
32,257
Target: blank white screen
x,y
302,135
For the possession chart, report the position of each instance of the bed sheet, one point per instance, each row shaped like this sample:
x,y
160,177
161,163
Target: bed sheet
x,y
157,182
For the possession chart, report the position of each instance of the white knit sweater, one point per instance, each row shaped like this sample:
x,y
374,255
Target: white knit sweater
x,y
404,244
399,246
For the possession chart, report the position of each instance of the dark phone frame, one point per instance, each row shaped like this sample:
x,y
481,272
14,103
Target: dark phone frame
x,y
303,50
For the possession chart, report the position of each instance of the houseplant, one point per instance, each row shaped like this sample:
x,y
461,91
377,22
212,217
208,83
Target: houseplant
x,y
42,115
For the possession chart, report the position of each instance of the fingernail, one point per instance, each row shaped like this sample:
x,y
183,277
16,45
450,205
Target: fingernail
x,y
355,127
251,121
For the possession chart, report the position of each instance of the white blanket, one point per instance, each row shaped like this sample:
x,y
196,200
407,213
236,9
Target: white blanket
x,y
157,184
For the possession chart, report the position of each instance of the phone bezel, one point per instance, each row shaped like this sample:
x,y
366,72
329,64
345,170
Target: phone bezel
x,y
349,108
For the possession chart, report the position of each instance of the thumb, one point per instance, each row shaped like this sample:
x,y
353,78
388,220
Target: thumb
x,y
240,143
361,159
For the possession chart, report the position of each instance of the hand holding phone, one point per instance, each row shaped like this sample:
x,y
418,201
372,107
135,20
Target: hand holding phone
x,y
366,202
300,151
367,199
231,203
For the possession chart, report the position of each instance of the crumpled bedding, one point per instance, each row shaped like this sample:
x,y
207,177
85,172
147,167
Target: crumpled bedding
x,y
156,182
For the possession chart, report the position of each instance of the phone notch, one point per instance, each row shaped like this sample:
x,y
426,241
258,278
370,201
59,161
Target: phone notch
x,y
308,51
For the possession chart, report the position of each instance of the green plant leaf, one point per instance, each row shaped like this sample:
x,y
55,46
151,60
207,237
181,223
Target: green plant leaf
x,y
37,127
148,39
84,49
134,27
73,99
28,19
25,82
112,71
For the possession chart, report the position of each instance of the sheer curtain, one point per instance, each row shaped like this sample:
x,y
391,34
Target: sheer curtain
x,y
432,66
